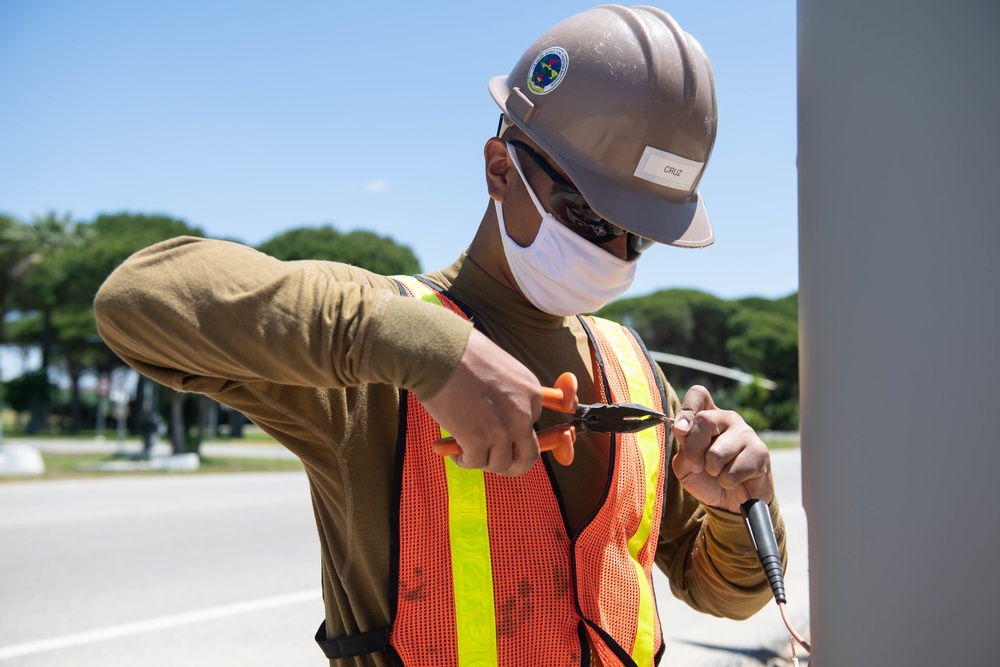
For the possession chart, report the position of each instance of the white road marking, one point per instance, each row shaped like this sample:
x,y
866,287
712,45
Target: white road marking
x,y
126,629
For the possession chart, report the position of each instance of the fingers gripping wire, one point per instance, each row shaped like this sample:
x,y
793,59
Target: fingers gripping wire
x,y
758,521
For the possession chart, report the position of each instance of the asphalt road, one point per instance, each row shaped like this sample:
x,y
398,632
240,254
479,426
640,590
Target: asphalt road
x,y
212,570
174,570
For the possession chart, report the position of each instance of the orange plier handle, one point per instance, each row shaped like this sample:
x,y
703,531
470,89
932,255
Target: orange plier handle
x,y
558,439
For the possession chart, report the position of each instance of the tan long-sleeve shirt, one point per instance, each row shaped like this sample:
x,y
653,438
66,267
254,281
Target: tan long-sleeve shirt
x,y
314,352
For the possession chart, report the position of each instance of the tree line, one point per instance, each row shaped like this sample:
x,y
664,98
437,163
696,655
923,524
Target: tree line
x,y
756,335
51,266
50,270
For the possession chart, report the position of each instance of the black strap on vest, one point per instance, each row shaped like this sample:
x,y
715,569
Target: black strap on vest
x,y
351,645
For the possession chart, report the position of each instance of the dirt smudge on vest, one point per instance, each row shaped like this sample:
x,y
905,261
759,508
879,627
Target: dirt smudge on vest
x,y
561,582
414,590
515,612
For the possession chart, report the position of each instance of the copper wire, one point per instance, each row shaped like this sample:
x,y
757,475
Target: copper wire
x,y
791,629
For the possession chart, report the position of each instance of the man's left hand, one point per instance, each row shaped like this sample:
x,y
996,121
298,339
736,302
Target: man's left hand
x,y
721,460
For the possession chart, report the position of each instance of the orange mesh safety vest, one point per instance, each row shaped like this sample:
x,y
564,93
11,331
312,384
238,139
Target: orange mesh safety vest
x,y
486,570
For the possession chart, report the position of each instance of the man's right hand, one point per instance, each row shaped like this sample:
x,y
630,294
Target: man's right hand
x,y
489,404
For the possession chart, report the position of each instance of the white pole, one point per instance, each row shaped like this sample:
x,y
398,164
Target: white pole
x,y
899,172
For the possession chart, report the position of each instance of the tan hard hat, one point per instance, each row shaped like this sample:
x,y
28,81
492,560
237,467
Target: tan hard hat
x,y
624,101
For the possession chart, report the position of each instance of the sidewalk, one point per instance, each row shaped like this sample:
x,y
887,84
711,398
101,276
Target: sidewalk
x,y
262,450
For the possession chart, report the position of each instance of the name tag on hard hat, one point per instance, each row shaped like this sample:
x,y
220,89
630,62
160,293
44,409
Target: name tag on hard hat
x,y
667,169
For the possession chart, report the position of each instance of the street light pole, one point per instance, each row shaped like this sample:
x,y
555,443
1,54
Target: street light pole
x,y
899,163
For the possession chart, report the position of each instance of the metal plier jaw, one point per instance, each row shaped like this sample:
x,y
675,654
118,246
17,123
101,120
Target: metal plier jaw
x,y
595,418
616,418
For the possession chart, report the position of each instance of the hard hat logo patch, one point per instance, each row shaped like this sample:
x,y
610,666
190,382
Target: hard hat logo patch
x,y
548,70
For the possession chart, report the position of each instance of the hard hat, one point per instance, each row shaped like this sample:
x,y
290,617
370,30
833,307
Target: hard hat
x,y
624,101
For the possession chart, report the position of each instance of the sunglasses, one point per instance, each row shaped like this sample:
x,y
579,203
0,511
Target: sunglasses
x,y
570,208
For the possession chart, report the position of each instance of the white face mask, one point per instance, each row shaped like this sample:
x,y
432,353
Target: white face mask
x,y
561,272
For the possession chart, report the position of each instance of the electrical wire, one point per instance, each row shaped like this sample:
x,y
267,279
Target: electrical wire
x,y
792,631
795,658
758,521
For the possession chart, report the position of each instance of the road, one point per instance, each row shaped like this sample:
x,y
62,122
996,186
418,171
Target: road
x,y
89,559
211,570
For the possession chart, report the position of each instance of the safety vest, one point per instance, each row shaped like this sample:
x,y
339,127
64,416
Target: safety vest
x,y
485,568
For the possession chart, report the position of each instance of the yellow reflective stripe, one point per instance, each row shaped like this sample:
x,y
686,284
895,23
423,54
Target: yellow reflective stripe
x,y
421,290
471,569
649,449
468,534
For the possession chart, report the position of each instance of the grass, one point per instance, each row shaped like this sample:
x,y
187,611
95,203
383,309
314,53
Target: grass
x,y
780,442
251,436
67,466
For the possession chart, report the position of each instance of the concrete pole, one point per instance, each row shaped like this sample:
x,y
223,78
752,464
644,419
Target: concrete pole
x,y
899,187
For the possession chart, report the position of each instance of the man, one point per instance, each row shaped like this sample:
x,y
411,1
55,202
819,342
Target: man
x,y
499,555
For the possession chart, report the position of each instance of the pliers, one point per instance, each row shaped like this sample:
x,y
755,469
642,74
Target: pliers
x,y
595,418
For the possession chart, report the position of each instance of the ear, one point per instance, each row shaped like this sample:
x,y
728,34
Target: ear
x,y
497,167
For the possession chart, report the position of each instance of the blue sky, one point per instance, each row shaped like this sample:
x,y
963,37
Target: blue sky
x,y
247,118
